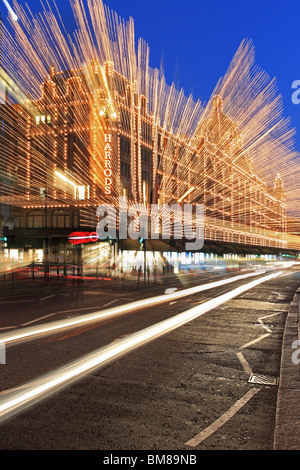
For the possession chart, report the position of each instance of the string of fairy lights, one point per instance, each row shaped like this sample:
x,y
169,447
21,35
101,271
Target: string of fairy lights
x,y
235,153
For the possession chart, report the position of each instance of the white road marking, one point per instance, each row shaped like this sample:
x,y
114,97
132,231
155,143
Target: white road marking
x,y
260,320
240,403
48,296
195,441
244,363
109,303
289,274
255,341
38,319
56,313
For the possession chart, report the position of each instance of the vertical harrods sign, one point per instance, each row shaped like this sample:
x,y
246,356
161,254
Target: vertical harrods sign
x,y
107,163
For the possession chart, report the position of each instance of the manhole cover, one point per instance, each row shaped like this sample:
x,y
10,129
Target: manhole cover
x,y
263,379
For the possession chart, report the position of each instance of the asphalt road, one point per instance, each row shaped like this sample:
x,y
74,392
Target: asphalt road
x,y
165,395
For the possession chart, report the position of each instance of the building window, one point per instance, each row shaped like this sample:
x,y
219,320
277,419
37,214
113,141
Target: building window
x,y
76,219
43,118
36,219
125,170
19,221
144,155
60,219
125,146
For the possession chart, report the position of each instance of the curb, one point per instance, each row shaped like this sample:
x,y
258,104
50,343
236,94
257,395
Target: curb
x,y
287,422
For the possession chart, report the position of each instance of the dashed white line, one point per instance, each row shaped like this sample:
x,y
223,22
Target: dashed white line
x,y
111,302
56,313
38,319
48,297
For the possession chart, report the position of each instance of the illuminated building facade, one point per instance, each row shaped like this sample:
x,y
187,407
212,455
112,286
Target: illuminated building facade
x,y
75,148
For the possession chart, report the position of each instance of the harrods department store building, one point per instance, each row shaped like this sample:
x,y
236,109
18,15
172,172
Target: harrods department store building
x,y
72,149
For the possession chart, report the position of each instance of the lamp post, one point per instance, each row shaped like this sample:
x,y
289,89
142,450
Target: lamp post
x,y
46,244
3,100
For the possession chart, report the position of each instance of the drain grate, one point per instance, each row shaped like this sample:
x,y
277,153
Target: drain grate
x,y
263,379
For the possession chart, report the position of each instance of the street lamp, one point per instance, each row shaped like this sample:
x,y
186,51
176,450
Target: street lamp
x,y
3,88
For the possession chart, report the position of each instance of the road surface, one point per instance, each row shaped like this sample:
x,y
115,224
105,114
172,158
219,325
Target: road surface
x,y
210,383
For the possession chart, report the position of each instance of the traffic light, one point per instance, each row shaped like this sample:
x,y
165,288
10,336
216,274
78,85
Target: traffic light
x,y
4,237
142,243
112,241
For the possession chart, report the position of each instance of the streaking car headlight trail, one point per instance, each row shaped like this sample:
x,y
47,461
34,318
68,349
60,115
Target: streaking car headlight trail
x,y
52,327
15,402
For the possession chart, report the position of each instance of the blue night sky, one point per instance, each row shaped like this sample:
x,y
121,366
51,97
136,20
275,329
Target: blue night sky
x,y
196,40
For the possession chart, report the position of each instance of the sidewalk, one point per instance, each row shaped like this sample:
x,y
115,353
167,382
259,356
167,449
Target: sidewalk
x,y
287,424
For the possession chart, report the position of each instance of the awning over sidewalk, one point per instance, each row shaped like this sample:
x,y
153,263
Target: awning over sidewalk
x,y
210,246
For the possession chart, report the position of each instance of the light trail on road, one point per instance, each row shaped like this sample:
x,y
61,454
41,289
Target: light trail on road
x,y
28,394
52,327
